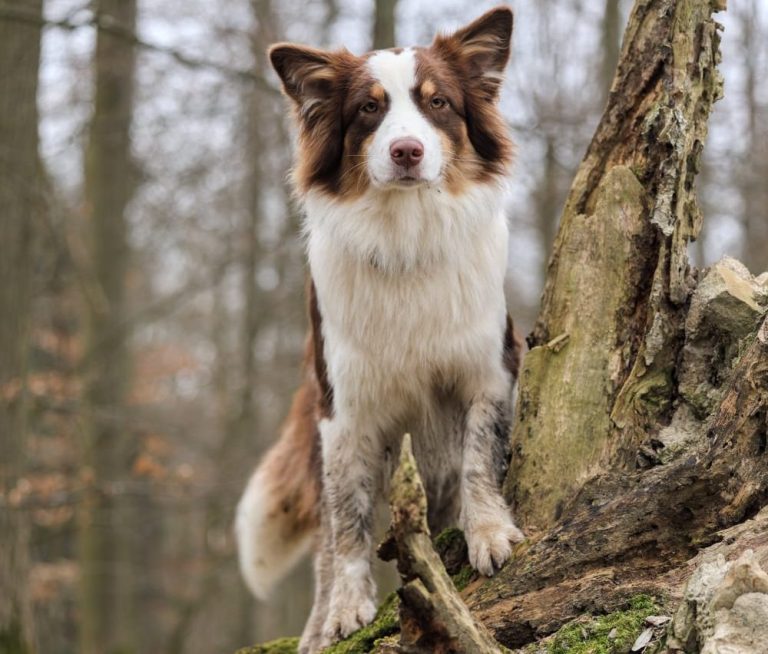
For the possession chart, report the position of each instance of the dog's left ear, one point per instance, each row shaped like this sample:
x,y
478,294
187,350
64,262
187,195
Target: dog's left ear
x,y
481,49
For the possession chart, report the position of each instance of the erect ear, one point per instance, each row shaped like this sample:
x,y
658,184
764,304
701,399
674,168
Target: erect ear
x,y
481,48
307,74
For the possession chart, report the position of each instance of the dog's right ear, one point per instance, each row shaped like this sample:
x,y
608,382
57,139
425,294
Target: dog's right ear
x,y
307,74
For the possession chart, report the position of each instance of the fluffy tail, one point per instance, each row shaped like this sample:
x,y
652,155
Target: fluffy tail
x,y
278,513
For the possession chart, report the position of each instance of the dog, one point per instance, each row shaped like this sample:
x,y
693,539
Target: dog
x,y
402,168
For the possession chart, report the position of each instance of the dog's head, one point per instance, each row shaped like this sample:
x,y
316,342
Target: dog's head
x,y
400,118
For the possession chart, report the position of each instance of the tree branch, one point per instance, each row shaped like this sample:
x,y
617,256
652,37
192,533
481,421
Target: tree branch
x,y
433,618
105,23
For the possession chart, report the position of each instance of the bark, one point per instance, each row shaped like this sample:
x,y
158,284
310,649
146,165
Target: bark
x,y
599,379
108,529
20,221
546,199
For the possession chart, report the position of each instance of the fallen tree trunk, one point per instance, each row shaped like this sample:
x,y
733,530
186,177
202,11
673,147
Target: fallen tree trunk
x,y
641,435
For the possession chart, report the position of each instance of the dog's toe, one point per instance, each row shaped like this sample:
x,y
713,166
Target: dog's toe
x,y
490,546
343,621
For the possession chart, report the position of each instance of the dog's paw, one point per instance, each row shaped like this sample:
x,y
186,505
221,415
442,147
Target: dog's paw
x,y
490,545
345,616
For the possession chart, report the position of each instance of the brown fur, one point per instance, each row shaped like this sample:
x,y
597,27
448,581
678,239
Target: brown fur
x,y
294,463
334,134
513,348
329,90
467,53
314,355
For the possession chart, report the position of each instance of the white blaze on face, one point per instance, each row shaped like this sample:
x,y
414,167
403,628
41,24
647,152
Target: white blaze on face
x,y
397,74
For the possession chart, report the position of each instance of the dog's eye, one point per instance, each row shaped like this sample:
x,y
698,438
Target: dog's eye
x,y
437,102
370,107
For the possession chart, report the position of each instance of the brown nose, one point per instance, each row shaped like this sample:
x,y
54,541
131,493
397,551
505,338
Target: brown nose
x,y
406,152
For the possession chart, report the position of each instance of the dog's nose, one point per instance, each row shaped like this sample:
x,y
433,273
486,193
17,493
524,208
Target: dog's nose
x,y
406,152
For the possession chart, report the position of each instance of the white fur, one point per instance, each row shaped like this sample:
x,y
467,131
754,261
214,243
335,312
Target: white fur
x,y
265,555
410,285
397,74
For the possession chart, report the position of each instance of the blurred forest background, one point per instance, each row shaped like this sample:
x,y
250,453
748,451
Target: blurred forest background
x,y
152,276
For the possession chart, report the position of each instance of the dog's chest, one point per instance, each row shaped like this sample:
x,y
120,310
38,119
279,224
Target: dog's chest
x,y
411,298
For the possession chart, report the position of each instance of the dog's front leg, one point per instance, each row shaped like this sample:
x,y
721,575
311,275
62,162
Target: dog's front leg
x,y
312,638
485,517
352,454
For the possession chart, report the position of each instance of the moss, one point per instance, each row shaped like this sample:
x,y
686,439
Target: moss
x,y
279,646
462,578
448,539
361,642
591,635
364,640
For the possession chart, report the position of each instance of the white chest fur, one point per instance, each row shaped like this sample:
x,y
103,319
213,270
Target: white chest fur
x,y
410,288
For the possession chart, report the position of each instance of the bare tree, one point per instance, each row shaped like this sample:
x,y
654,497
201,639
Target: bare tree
x,y
384,24
754,165
106,522
21,209
610,41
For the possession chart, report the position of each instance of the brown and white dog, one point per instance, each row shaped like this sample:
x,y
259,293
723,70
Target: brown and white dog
x,y
402,167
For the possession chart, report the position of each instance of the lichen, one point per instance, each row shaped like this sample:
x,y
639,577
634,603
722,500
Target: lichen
x,y
613,633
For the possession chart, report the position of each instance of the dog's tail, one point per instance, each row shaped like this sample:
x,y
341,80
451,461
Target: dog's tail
x,y
278,513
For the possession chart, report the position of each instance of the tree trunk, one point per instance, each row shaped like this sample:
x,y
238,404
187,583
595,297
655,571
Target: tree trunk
x,y
21,207
751,174
108,530
610,41
384,24
599,380
640,449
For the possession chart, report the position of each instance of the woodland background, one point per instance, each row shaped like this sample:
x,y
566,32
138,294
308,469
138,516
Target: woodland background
x,y
151,278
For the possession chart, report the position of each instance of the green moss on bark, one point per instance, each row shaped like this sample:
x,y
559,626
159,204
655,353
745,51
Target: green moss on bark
x,y
364,640
613,633
361,642
279,646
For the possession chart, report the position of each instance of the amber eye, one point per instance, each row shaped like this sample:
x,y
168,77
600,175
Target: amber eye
x,y
437,102
370,107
